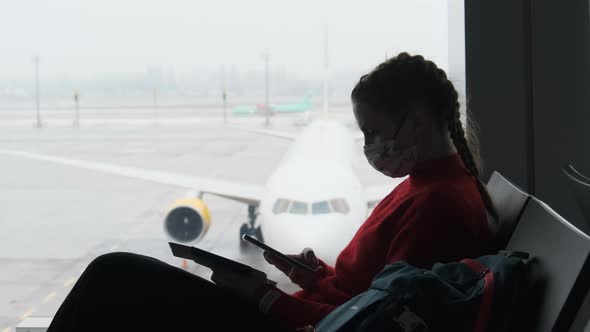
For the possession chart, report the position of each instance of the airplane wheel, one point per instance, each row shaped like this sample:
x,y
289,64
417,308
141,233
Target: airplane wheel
x,y
253,232
258,234
244,246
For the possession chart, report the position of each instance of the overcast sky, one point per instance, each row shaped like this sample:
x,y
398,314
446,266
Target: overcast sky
x,y
85,37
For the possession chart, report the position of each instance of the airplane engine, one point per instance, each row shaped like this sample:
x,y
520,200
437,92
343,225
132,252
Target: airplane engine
x,y
187,220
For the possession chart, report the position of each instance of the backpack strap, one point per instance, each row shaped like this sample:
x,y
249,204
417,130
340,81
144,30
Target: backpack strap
x,y
485,308
405,318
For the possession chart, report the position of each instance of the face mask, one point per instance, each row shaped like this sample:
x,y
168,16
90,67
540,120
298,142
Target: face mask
x,y
385,158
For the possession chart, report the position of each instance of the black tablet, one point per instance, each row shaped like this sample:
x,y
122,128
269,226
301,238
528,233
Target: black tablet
x,y
277,253
210,260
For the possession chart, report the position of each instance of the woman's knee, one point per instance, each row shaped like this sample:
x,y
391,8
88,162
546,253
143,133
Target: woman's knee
x,y
117,262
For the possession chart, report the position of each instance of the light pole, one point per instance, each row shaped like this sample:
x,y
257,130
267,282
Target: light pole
x,y
37,98
224,92
76,109
266,57
326,71
224,97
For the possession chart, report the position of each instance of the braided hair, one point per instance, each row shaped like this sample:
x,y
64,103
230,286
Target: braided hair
x,y
400,80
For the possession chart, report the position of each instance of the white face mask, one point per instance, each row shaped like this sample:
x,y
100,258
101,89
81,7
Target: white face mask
x,y
385,158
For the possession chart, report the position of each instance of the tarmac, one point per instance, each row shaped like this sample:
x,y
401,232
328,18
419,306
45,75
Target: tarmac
x,y
56,219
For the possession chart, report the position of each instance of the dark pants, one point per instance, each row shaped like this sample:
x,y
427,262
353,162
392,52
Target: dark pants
x,y
129,292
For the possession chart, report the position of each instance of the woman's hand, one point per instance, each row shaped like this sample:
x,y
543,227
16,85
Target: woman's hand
x,y
301,277
245,285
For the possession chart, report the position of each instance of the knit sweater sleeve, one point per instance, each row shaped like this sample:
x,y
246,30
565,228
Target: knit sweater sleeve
x,y
325,288
300,309
329,270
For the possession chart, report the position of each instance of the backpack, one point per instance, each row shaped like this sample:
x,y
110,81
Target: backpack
x,y
480,295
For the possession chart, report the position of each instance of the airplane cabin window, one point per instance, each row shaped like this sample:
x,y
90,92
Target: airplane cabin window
x,y
340,205
298,207
280,206
322,207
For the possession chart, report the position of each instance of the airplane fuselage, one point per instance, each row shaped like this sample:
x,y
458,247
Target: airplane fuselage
x,y
323,203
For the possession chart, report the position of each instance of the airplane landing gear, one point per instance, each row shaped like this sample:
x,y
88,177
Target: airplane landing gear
x,y
250,228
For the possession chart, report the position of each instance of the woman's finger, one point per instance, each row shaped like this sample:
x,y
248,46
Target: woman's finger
x,y
310,257
295,257
294,276
319,271
279,264
303,278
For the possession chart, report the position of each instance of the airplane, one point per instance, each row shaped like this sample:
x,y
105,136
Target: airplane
x,y
302,106
313,199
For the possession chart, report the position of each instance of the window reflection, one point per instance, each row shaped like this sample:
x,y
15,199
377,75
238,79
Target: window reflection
x,y
281,206
340,205
298,207
322,207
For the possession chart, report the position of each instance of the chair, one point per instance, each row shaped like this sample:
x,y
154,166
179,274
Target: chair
x,y
560,268
510,201
580,187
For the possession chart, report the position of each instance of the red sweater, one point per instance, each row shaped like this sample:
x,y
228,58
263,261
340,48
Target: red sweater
x,y
436,215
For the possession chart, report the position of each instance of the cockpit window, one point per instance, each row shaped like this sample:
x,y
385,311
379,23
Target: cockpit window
x,y
340,205
322,207
298,207
281,206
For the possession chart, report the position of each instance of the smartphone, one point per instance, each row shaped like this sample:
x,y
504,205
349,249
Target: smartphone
x,y
277,253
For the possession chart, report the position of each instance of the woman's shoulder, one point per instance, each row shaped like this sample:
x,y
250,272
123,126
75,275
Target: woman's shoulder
x,y
394,194
457,195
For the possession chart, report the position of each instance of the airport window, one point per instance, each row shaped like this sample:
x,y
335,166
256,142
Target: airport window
x,y
298,207
322,207
117,120
340,205
280,206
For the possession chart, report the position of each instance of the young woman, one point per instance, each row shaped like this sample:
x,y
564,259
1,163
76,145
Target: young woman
x,y
409,113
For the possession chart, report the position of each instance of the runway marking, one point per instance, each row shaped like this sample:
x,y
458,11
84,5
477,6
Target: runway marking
x,y
49,297
69,282
27,314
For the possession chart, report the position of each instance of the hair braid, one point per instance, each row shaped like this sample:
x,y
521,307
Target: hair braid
x,y
460,142
458,137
